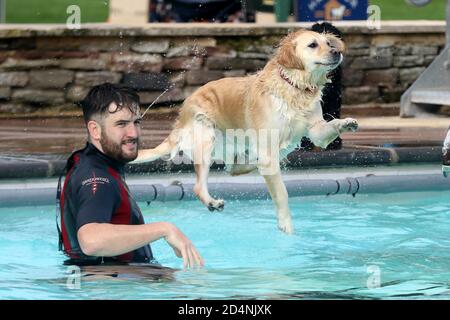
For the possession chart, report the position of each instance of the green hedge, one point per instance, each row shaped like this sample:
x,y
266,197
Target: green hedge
x,y
400,10
54,11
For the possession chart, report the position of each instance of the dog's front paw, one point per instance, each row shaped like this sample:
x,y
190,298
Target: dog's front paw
x,y
218,205
350,125
286,226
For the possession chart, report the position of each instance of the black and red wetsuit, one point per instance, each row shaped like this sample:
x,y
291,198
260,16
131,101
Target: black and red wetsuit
x,y
94,191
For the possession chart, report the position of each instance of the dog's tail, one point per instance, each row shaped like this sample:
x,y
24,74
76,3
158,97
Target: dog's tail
x,y
169,146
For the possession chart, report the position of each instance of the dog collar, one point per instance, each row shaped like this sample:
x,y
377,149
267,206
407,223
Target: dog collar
x,y
285,78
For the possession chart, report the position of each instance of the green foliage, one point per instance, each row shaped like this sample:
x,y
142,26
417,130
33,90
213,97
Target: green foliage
x,y
55,11
400,10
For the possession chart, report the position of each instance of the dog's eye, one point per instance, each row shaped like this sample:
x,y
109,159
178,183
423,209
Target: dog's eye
x,y
313,45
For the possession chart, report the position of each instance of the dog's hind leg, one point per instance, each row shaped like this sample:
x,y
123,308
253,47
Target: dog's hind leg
x,y
202,150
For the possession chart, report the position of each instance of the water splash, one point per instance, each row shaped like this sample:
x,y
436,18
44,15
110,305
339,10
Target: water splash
x,y
244,6
157,98
121,43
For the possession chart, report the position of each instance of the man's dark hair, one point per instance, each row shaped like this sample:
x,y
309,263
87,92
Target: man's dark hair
x,y
99,98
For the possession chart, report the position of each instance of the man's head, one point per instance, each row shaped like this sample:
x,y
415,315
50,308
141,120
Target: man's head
x,y
112,116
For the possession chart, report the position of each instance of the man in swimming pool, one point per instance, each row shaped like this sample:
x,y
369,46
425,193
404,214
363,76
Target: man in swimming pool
x,y
100,221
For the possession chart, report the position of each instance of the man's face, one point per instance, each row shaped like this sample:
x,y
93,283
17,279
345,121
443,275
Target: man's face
x,y
120,134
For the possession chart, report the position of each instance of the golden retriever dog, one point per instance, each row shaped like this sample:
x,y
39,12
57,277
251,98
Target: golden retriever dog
x,y
272,110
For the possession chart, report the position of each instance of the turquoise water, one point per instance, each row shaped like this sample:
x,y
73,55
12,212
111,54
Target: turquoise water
x,y
394,246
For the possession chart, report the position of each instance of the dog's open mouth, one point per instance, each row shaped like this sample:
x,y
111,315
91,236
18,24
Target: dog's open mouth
x,y
333,63
328,64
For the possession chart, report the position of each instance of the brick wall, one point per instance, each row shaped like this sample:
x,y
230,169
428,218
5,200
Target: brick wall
x,y
50,66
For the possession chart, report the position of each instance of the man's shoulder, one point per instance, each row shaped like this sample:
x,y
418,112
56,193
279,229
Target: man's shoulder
x,y
85,166
90,173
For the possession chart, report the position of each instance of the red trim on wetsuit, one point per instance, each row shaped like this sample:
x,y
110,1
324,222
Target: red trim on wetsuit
x,y
123,213
65,236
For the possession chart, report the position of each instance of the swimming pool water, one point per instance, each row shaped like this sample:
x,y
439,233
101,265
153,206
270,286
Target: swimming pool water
x,y
394,246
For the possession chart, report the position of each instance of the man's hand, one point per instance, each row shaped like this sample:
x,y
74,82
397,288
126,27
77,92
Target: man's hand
x,y
183,248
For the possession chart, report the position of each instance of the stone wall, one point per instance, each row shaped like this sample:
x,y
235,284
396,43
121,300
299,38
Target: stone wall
x,y
50,66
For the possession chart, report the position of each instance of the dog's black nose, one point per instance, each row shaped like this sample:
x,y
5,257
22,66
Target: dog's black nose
x,y
334,52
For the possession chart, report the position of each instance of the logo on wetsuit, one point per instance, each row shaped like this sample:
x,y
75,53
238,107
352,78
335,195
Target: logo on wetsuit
x,y
94,181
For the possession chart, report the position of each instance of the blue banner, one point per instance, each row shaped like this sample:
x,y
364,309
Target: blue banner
x,y
331,10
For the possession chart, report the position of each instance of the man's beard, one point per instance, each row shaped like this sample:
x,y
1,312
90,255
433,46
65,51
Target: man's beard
x,y
114,150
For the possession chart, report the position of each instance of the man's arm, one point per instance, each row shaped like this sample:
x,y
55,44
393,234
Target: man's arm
x,y
108,240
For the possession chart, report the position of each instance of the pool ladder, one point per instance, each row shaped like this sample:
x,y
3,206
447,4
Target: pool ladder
x,y
432,89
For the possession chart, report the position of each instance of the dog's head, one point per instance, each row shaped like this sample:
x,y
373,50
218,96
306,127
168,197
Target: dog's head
x,y
310,51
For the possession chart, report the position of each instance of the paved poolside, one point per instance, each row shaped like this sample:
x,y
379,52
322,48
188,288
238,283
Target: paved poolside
x,y
38,146
54,135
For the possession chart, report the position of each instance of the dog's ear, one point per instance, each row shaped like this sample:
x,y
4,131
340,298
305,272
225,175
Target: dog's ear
x,y
335,42
286,53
